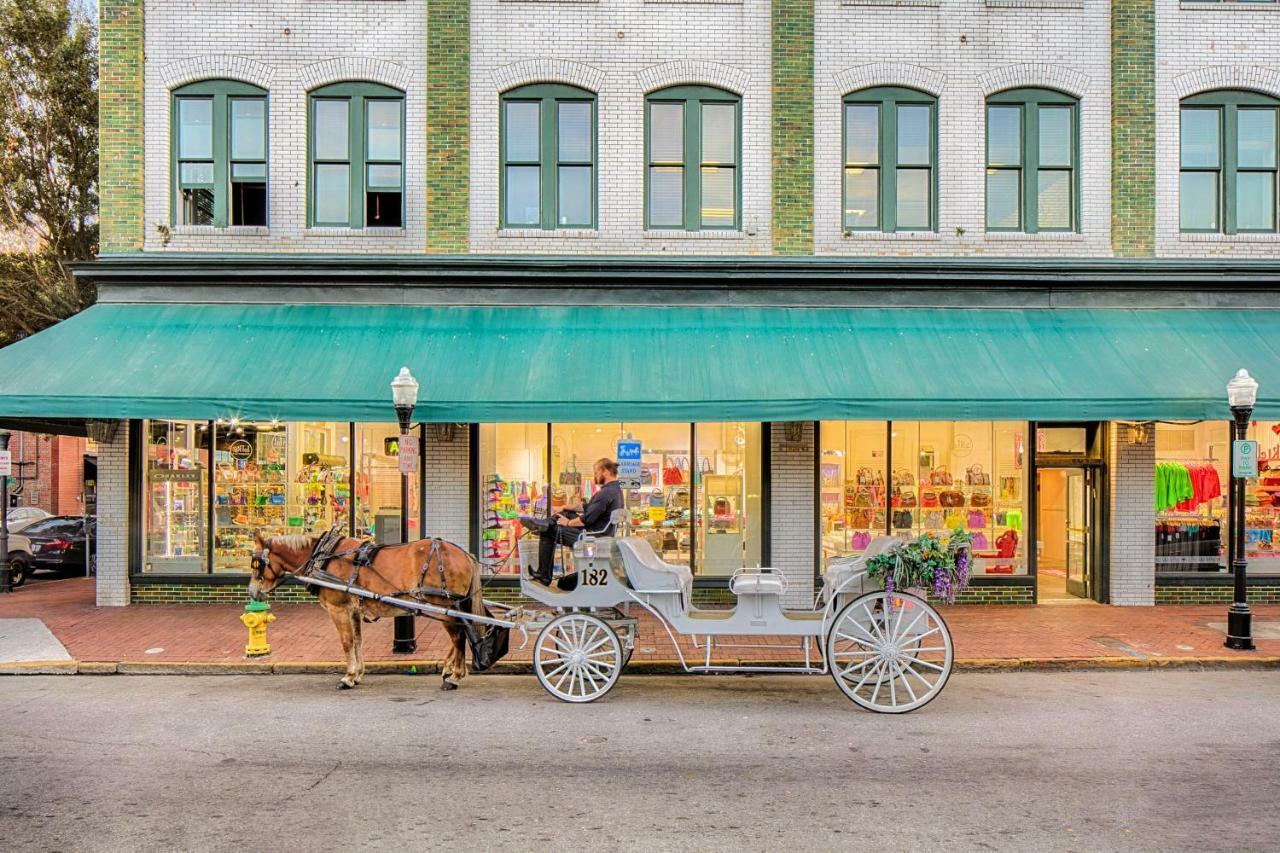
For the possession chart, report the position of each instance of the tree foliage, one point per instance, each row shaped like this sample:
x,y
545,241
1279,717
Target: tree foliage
x,y
48,160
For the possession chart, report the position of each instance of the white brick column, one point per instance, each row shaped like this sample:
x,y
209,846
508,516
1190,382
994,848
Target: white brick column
x,y
448,476
792,512
1133,519
113,519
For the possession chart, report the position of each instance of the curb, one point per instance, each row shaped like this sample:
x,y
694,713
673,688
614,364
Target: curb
x,y
651,667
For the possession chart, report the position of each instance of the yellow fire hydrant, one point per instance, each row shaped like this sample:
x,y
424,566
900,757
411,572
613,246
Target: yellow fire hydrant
x,y
257,615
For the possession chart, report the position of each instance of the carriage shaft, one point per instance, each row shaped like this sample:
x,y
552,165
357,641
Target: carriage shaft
x,y
403,604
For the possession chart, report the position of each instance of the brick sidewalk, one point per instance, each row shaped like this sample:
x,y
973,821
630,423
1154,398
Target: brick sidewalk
x,y
212,633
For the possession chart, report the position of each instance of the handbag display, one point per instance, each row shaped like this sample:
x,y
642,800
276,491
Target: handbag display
x,y
955,520
951,498
903,519
672,475
975,476
940,476
980,541
929,498
860,541
933,520
860,519
981,498
977,520
904,478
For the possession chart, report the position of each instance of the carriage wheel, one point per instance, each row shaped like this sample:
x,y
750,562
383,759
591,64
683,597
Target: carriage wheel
x,y
890,654
577,657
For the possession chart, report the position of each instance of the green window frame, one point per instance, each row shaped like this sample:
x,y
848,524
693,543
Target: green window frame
x,y
1033,162
703,167
355,165
556,161
885,167
1226,162
218,161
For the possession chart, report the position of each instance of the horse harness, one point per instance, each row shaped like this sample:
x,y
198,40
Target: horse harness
x,y
362,558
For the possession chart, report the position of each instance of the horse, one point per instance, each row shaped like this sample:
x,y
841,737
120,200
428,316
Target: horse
x,y
421,570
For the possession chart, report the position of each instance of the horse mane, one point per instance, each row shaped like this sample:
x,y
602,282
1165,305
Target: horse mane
x,y
294,541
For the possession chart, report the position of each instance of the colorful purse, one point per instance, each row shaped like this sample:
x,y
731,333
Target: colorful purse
x,y
977,520
975,476
951,498
672,475
933,520
860,541
929,499
980,542
940,476
980,498
903,520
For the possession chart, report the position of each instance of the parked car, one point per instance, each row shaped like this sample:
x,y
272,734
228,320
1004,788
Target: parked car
x,y
21,516
19,559
61,542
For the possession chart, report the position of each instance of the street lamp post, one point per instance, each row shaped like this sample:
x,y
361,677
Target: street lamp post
x,y
404,396
1242,393
6,573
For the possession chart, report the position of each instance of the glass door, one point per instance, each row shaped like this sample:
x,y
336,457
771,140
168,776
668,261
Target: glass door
x,y
1079,532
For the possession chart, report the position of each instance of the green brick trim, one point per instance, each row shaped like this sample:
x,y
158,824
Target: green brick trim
x,y
448,125
792,30
120,126
208,593
1133,128
1215,594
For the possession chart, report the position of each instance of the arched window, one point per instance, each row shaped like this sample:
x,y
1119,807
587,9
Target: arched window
x,y
890,152
693,157
219,142
1033,161
356,156
1228,157
548,157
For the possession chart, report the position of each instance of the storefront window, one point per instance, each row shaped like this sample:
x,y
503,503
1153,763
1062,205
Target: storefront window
x,y
250,489
852,490
727,481
176,489
320,477
1262,501
933,477
1192,467
661,509
970,475
513,467
377,485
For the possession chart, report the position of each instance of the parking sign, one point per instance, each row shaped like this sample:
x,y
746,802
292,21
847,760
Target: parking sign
x,y
1244,459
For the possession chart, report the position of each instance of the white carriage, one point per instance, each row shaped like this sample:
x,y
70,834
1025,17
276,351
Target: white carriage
x,y
889,653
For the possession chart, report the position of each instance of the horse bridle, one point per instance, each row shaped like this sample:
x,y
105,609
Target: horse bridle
x,y
259,563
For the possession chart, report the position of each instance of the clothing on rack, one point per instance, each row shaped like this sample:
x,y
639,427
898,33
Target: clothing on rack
x,y
1185,487
1190,545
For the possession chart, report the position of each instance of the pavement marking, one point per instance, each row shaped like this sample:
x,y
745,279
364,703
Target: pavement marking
x,y
28,640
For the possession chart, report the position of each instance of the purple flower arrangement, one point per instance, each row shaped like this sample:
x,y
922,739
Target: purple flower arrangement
x,y
934,565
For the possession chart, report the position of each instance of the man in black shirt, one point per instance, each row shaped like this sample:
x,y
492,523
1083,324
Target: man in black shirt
x,y
570,523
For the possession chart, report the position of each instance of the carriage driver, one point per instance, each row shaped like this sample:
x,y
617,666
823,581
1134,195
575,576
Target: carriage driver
x,y
572,521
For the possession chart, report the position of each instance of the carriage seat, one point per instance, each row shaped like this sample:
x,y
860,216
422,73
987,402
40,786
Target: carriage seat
x,y
648,573
757,582
843,568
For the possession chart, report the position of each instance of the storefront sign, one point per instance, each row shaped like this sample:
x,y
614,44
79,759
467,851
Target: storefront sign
x,y
6,463
240,449
408,454
174,475
629,464
1244,459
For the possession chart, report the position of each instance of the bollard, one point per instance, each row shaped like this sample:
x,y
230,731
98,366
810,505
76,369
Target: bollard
x,y
257,615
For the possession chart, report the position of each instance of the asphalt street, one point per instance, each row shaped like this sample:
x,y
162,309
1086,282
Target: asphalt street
x,y
1084,761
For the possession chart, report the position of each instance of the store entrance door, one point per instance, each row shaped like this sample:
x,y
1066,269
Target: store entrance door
x,y
1066,509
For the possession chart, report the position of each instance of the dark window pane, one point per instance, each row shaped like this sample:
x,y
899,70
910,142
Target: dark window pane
x,y
1004,136
574,186
1200,138
914,143
666,196
248,129
861,197
573,131
249,204
197,207
382,209
862,133
523,131
1198,201
524,195
195,128
1003,198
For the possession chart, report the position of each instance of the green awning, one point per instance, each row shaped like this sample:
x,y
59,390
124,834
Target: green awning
x,y
330,362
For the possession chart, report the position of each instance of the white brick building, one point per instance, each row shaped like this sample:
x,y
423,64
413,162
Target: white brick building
x,y
980,343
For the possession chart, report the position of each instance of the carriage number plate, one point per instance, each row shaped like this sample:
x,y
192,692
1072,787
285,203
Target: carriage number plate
x,y
595,577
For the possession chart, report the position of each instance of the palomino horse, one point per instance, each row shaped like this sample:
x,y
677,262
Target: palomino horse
x,y
421,570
